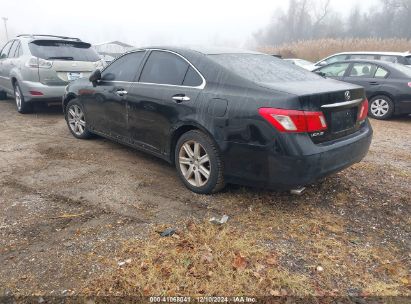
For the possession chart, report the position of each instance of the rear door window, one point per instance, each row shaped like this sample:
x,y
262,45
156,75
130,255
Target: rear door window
x,y
408,60
366,70
335,70
124,68
5,51
192,78
19,51
13,49
63,50
164,68
381,73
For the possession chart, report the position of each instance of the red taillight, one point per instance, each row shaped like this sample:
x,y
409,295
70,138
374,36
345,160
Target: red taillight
x,y
36,93
409,84
363,112
294,121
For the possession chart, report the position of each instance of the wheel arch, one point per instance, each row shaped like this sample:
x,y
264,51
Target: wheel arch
x,y
382,93
179,131
69,97
14,80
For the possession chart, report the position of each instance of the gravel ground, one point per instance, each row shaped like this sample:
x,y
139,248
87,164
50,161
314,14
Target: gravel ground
x,y
68,204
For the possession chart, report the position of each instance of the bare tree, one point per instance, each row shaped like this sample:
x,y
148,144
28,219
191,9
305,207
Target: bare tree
x,y
310,19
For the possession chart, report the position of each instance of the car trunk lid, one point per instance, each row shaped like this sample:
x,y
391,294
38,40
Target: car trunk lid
x,y
62,72
63,60
339,102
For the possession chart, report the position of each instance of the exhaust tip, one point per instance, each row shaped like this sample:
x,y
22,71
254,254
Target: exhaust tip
x,y
298,191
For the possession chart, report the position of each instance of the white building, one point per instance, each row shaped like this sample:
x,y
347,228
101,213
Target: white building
x,y
111,50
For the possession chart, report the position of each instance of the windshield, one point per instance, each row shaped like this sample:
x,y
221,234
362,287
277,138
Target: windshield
x,y
263,68
63,50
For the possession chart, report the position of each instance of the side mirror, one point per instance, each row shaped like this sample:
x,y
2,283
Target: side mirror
x,y
108,77
95,77
322,63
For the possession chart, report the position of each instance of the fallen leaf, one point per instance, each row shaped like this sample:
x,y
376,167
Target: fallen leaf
x,y
259,267
143,266
207,258
191,226
239,263
275,293
272,260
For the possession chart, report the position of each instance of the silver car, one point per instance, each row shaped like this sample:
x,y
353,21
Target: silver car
x,y
38,67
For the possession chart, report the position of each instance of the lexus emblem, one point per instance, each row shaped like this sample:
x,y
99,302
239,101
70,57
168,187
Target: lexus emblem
x,y
347,95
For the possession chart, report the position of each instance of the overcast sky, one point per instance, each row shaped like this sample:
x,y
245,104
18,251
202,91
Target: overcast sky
x,y
149,22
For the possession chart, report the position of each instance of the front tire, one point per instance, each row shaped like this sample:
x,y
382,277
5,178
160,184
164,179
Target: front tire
x,y
381,107
198,163
76,120
22,106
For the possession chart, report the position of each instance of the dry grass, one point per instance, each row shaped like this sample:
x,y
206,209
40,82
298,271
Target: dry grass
x,y
315,50
263,252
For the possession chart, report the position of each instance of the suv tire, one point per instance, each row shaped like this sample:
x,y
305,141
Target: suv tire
x,y
3,95
22,106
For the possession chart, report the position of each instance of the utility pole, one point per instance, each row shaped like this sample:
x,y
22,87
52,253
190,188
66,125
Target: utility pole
x,y
5,26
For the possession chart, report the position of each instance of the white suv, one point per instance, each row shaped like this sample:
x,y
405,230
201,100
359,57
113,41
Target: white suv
x,y
38,67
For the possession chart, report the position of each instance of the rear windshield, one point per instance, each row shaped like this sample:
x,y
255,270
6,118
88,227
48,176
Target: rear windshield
x,y
404,69
408,60
63,50
262,68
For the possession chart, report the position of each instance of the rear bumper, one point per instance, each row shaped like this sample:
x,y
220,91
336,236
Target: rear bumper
x,y
267,169
50,93
403,107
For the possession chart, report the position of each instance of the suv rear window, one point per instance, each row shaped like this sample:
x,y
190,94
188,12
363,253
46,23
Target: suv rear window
x,y
63,50
263,68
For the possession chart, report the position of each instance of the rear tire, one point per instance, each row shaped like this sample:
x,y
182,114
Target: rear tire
x,y
22,106
198,163
381,107
3,95
76,120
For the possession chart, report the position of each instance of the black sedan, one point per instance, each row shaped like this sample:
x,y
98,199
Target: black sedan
x,y
387,85
224,116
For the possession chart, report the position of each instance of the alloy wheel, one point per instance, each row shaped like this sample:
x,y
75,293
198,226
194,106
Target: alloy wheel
x,y
17,97
194,163
379,107
76,120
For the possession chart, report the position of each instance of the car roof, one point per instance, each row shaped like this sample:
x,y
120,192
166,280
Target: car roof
x,y
46,37
374,53
206,50
384,64
379,62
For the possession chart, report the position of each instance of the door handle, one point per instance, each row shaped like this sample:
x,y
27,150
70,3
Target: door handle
x,y
374,83
180,98
121,92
